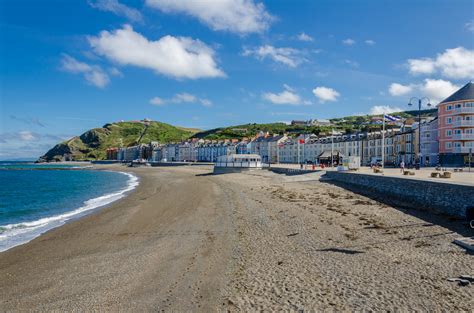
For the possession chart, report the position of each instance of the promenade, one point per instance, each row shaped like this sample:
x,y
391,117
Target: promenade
x,y
461,178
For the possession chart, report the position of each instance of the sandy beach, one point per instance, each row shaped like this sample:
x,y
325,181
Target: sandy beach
x,y
185,240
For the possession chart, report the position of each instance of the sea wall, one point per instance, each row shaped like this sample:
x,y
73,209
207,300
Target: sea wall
x,y
289,171
447,198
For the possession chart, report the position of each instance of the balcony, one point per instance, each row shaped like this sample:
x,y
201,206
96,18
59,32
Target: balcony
x,y
462,149
463,123
463,137
461,110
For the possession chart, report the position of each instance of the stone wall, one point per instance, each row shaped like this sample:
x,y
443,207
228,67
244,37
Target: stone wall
x,y
451,199
290,171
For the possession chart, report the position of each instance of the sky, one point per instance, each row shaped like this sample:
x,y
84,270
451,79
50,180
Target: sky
x,y
68,66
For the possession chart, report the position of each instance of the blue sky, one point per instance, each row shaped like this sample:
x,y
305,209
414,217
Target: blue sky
x,y
68,66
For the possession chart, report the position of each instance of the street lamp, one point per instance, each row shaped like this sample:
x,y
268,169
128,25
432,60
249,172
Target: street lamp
x,y
410,103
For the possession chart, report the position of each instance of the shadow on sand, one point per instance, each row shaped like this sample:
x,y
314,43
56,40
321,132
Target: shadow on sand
x,y
454,224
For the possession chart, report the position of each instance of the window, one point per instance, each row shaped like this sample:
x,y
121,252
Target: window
x,y
458,105
449,120
449,132
457,131
448,145
449,108
457,144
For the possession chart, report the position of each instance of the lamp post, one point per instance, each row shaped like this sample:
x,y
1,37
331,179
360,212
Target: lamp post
x,y
410,103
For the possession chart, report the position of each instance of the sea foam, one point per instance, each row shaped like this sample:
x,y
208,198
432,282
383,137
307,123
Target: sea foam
x,y
16,234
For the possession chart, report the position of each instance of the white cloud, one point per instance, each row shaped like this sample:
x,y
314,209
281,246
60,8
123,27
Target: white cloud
x,y
27,135
456,63
325,94
397,89
287,96
178,57
115,72
305,37
206,102
421,66
237,16
92,73
157,101
370,42
349,42
470,26
118,8
183,97
381,109
437,89
288,56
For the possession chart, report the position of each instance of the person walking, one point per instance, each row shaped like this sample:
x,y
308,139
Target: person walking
x,y
402,166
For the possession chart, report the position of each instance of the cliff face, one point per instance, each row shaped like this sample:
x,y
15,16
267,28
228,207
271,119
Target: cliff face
x,y
92,144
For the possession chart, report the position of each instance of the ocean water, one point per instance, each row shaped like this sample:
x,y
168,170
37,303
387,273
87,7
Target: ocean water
x,y
35,198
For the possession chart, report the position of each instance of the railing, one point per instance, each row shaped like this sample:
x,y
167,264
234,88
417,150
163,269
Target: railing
x,y
462,149
460,123
464,110
463,136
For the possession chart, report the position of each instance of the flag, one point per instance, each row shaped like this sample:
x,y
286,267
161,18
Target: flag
x,y
391,118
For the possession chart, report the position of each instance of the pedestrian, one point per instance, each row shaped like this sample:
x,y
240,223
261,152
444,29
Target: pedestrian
x,y
402,166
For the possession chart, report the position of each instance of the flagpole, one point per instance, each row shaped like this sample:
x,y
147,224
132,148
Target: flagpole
x,y
383,140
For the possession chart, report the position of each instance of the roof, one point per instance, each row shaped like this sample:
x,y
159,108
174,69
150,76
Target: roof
x,y
465,93
238,156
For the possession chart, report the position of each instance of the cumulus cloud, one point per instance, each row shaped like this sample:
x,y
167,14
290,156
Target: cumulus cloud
x,y
435,89
370,42
237,16
456,63
117,8
178,57
183,97
288,56
348,42
381,109
93,74
157,101
397,89
287,96
305,37
325,94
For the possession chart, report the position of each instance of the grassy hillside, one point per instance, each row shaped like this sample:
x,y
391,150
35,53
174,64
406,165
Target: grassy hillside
x,y
346,124
93,143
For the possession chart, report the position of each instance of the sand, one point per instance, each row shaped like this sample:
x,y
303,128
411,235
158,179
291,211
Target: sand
x,y
188,241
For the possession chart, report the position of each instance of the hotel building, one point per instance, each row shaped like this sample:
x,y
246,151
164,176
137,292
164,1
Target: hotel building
x,y
456,126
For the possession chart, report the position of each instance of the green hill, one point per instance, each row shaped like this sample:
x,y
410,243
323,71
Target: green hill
x,y
346,124
92,144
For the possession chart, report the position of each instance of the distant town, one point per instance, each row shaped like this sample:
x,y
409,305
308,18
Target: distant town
x,y
446,139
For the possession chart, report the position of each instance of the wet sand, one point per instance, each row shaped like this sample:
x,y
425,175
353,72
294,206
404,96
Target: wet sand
x,y
188,241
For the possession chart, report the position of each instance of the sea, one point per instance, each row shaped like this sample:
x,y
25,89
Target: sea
x,y
35,198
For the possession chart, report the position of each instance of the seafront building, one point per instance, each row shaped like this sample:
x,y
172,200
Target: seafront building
x,y
446,140
429,142
456,126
